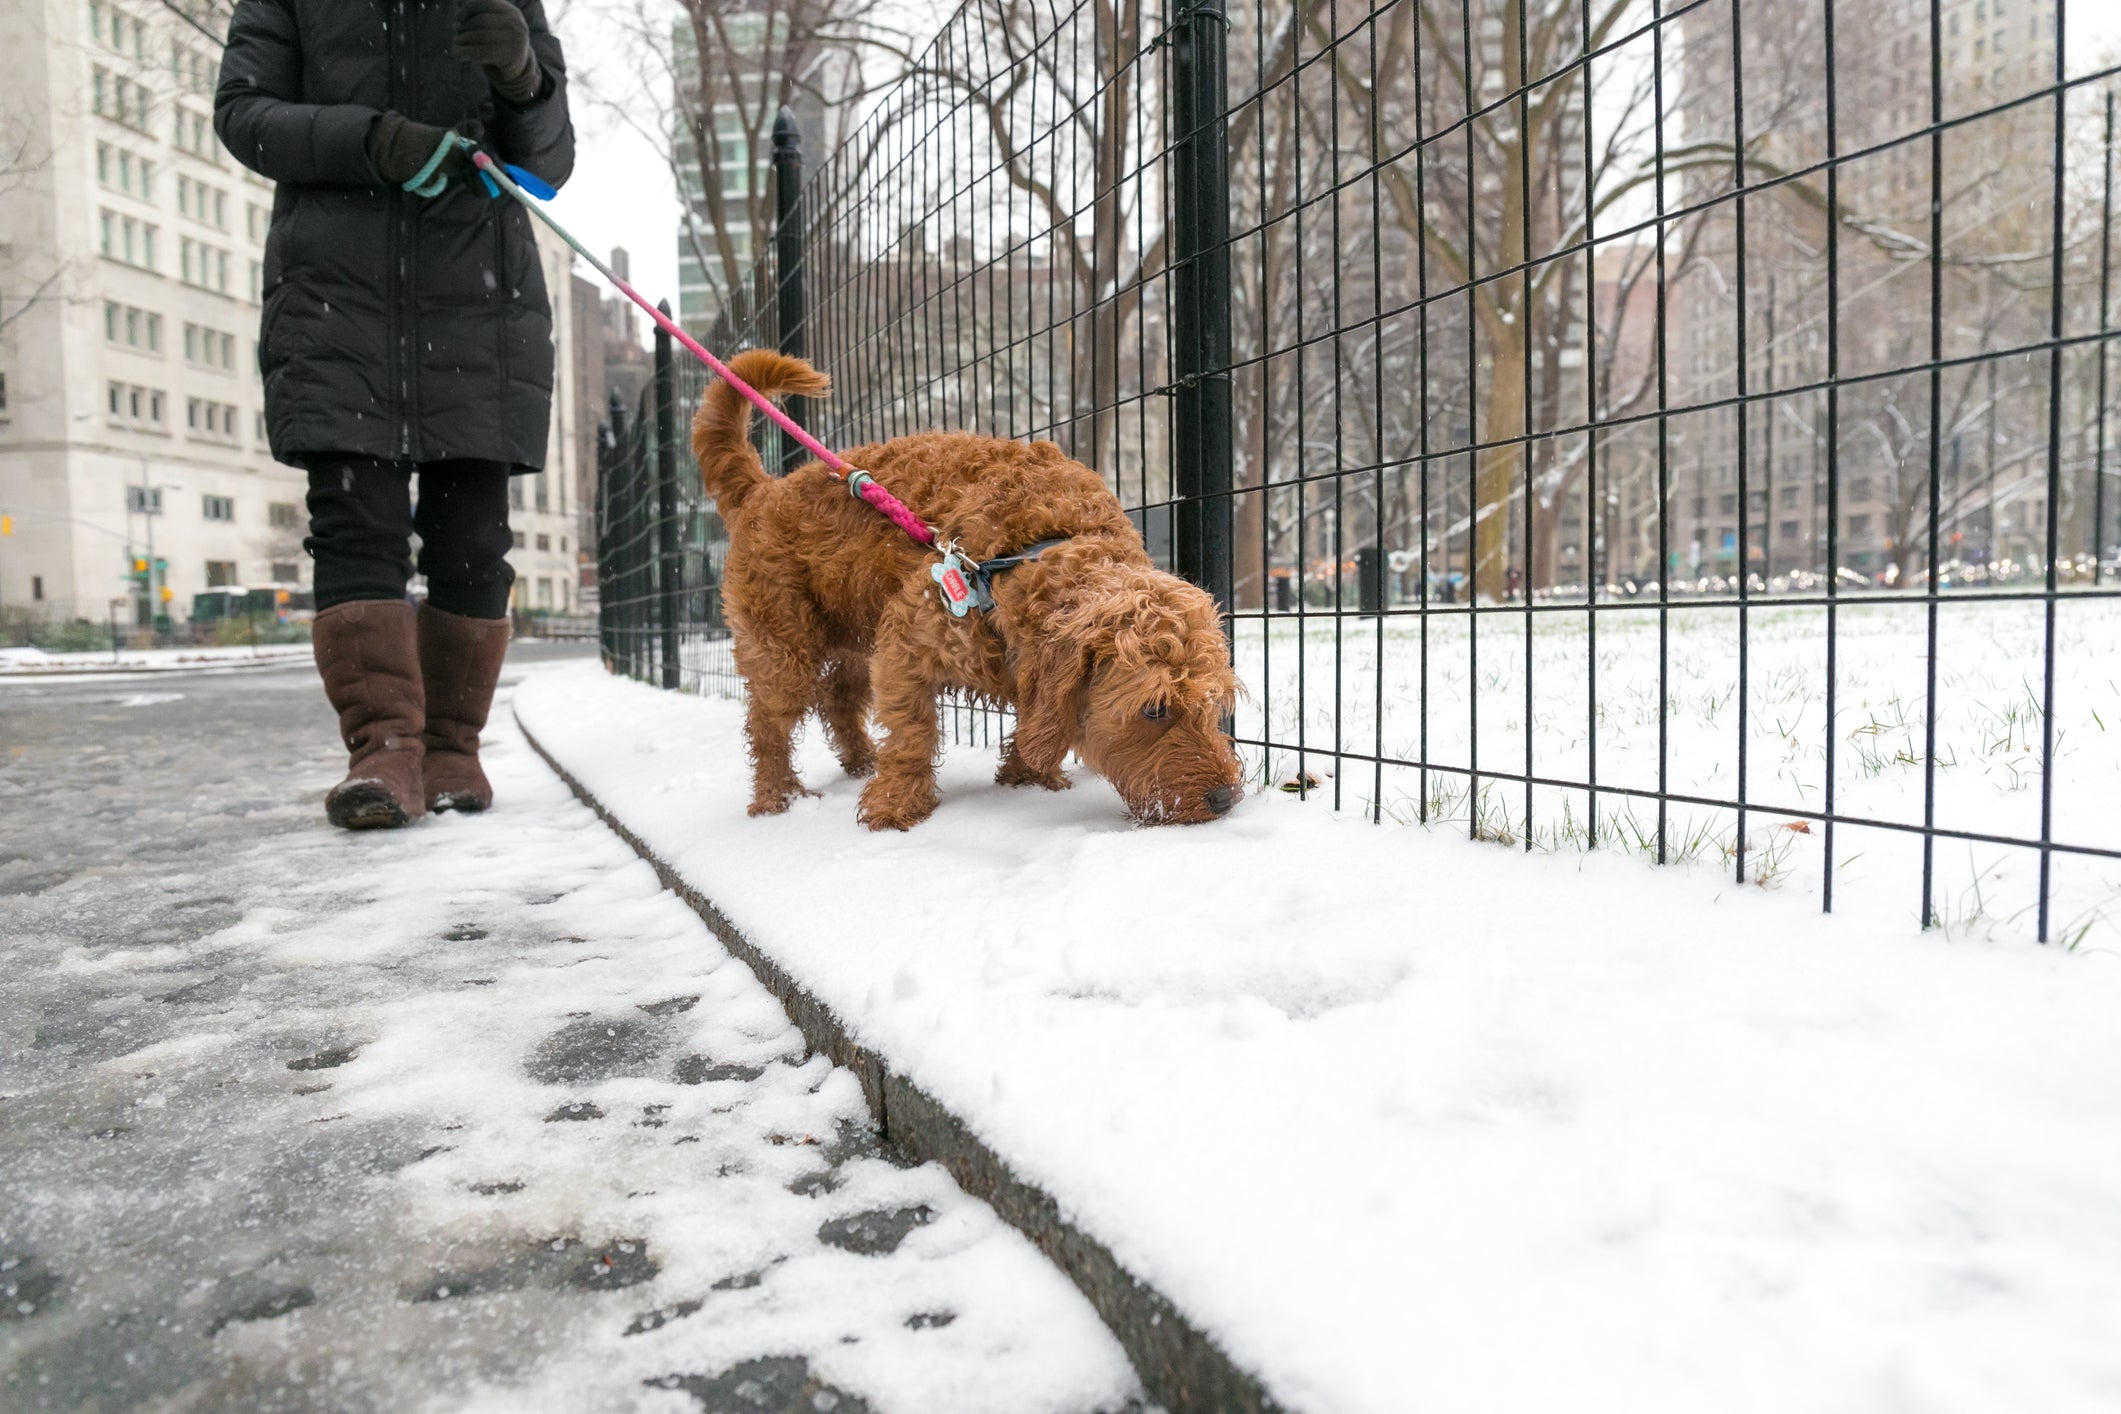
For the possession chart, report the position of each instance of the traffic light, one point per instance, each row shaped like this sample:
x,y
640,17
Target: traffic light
x,y
7,525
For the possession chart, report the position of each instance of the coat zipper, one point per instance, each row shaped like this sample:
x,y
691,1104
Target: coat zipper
x,y
401,301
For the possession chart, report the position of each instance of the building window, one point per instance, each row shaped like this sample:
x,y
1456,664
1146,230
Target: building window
x,y
207,418
1788,530
143,500
218,507
220,573
284,515
518,539
36,587
128,240
1859,525
193,133
545,542
132,328
214,348
131,404
286,572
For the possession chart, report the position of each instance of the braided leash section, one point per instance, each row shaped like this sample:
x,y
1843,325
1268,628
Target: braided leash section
x,y
864,487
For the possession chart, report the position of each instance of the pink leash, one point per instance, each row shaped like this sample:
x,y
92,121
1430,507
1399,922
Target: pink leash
x,y
860,482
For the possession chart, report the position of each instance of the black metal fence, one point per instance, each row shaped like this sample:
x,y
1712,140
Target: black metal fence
x,y
1680,426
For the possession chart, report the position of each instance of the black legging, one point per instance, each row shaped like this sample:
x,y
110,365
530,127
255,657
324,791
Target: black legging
x,y
361,518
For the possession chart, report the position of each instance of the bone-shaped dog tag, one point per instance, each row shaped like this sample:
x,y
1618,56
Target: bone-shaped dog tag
x,y
949,576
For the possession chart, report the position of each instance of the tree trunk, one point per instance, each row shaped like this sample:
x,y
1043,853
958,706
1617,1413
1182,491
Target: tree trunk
x,y
1502,427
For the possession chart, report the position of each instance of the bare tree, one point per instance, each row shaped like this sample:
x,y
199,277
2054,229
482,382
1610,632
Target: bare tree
x,y
23,161
707,80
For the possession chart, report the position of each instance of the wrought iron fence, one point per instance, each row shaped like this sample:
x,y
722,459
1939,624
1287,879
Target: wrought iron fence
x,y
1679,426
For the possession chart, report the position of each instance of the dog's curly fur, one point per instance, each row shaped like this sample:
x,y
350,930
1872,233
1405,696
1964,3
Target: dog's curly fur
x,y
833,611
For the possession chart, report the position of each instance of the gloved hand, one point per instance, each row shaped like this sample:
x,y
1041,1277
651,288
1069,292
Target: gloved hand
x,y
398,148
494,34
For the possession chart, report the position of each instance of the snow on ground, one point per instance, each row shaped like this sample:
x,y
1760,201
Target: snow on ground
x,y
1989,719
468,1116
35,662
1410,1122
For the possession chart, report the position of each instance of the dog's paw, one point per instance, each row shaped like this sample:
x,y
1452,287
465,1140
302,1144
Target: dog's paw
x,y
882,811
765,803
1016,773
859,767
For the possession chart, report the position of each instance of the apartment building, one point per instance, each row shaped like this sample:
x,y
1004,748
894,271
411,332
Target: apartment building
x,y
131,411
130,262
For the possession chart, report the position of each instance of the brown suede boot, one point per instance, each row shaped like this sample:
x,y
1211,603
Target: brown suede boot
x,y
460,659
370,663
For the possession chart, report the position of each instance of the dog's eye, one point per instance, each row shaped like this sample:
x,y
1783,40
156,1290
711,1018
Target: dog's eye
x,y
1156,711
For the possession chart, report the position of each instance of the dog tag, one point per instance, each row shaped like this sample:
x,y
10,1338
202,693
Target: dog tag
x,y
949,576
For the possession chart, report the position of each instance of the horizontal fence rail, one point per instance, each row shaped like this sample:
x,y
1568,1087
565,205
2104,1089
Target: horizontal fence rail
x,y
1674,426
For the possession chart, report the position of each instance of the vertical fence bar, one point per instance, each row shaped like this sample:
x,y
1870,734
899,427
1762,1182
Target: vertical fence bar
x,y
610,438
1936,460
666,481
2051,583
2106,287
793,308
1833,458
1200,201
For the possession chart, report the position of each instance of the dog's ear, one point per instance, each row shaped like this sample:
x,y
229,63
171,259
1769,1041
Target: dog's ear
x,y
1053,684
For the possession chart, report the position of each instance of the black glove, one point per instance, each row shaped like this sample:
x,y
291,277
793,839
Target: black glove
x,y
494,34
398,148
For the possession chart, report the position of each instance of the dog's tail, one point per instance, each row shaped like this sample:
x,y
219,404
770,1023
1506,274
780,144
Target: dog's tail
x,y
721,429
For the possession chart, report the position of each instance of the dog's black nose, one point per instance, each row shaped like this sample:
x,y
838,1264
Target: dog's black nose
x,y
1223,797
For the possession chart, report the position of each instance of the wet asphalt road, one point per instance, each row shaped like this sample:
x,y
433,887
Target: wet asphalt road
x,y
191,1218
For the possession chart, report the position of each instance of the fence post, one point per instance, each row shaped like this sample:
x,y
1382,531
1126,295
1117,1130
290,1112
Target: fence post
x,y
666,481
610,437
793,309
1200,241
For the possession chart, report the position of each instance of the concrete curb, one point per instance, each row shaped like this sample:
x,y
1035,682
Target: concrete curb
x,y
1182,1369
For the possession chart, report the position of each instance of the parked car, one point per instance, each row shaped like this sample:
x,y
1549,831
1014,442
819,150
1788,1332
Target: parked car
x,y
267,603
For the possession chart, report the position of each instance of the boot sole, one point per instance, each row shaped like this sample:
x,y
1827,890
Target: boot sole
x,y
366,805
463,804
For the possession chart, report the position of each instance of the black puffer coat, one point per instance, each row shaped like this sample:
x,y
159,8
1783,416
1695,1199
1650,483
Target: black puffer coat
x,y
395,326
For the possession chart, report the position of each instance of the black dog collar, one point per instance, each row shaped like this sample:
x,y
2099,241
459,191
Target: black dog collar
x,y
983,576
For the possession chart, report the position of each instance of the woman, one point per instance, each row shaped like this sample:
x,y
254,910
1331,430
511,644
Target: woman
x,y
404,336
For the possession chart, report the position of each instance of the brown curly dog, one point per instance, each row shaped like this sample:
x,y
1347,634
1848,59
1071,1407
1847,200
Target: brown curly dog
x,y
833,611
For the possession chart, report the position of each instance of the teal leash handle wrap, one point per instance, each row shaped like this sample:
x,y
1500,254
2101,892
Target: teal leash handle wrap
x,y
431,180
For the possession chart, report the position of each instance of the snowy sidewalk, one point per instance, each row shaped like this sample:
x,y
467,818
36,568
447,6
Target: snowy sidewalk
x,y
467,1116
1404,1122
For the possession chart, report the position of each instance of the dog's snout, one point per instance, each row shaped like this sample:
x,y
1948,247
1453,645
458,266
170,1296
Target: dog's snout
x,y
1223,797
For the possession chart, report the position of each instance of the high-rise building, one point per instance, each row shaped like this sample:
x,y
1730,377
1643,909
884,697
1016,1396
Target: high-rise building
x,y
725,217
1989,55
131,248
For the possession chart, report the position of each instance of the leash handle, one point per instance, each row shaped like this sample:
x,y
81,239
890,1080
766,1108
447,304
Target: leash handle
x,y
430,180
